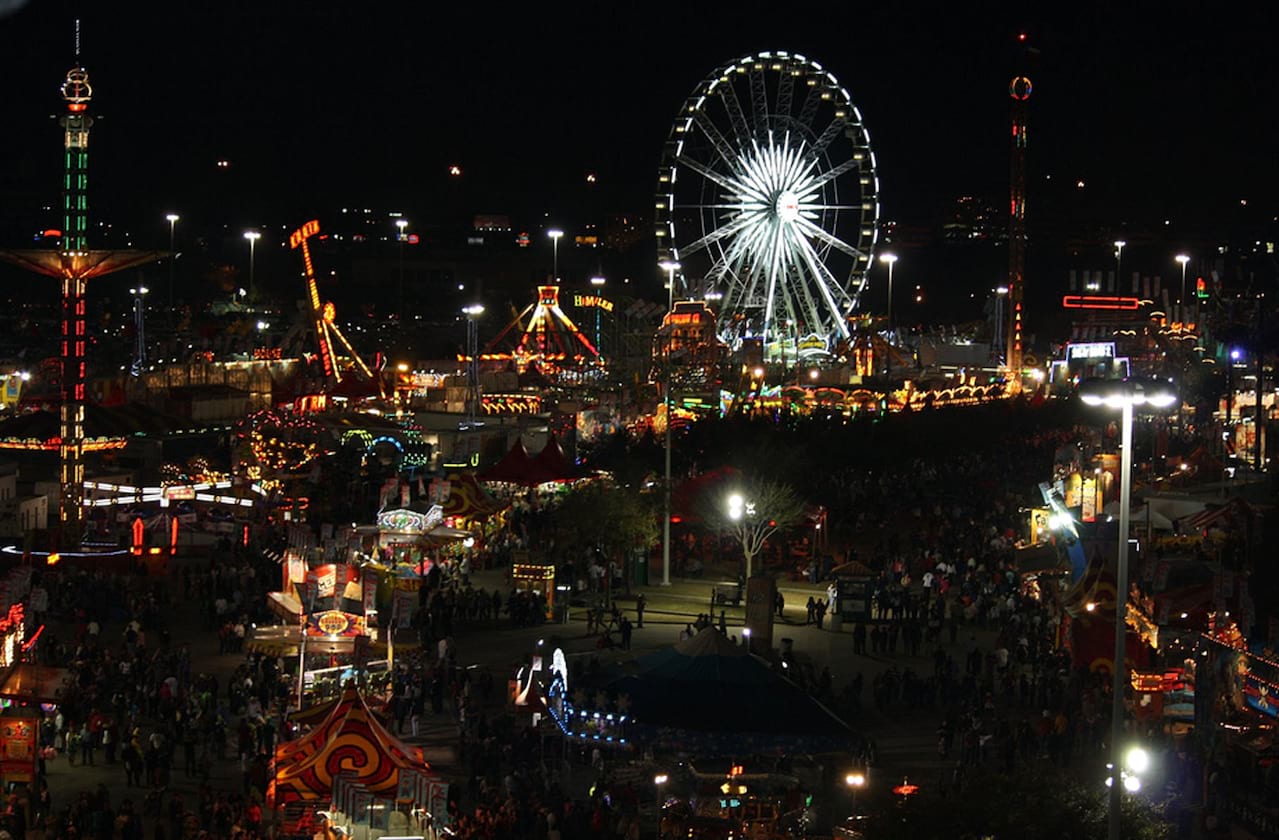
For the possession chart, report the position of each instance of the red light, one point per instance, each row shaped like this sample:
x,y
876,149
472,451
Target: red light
x,y
675,520
1099,302
1021,36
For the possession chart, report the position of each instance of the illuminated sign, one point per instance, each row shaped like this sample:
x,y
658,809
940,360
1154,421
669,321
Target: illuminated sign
x,y
1099,302
298,236
335,623
1091,350
676,318
408,520
176,493
267,354
595,301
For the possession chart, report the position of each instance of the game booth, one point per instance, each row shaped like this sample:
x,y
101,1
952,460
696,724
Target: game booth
x,y
330,625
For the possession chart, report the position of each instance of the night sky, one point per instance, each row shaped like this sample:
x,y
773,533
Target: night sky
x,y
318,105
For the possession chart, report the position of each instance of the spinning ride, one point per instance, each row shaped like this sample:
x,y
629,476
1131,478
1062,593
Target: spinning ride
x,y
767,195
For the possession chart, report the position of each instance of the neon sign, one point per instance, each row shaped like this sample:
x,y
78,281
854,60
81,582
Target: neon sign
x,y
595,301
1091,350
1099,302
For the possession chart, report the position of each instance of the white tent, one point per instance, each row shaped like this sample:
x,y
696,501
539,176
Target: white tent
x,y
1139,517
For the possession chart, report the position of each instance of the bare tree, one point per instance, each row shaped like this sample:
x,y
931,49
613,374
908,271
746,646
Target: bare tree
x,y
752,511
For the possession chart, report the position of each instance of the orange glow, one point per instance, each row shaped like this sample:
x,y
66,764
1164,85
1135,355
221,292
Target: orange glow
x,y
53,558
139,535
1099,302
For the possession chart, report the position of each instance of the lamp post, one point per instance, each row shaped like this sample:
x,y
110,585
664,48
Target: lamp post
x,y
401,224
139,329
172,219
890,260
1001,293
658,782
555,234
598,282
1123,395
670,267
1181,301
855,781
253,236
1119,262
472,312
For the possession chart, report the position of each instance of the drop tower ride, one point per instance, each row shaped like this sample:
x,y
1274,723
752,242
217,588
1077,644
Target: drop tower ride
x,y
74,264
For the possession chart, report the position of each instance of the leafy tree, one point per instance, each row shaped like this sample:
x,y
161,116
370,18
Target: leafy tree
x,y
751,512
607,516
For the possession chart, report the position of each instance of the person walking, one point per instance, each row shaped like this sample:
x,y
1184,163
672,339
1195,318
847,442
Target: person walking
x,y
819,610
640,603
812,608
780,604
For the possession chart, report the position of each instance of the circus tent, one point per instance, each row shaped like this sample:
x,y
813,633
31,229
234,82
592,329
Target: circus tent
x,y
350,740
516,467
553,462
468,500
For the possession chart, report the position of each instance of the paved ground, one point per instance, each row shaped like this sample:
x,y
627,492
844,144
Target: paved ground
x,y
905,740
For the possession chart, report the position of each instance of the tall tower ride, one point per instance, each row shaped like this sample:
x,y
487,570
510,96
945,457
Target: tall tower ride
x,y
1019,90
74,265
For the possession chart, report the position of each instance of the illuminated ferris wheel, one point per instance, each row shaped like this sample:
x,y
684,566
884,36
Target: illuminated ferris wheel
x,y
767,197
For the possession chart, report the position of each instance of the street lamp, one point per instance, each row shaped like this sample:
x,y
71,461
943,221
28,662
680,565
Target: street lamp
x,y
1181,301
670,267
401,224
1001,293
253,236
555,234
1124,395
172,219
598,282
889,260
1119,263
472,312
139,329
658,781
855,781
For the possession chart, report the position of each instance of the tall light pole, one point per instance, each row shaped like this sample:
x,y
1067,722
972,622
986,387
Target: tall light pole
x,y
1181,301
658,781
253,236
670,267
555,234
472,312
598,283
1119,264
1123,395
172,219
139,329
400,225
890,260
1001,292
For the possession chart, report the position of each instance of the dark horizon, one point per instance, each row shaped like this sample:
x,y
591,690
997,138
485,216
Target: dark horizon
x,y
326,106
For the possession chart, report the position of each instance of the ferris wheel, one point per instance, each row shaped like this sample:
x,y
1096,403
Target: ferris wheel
x,y
767,198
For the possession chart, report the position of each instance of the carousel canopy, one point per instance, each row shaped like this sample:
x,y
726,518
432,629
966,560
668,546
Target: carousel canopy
x,y
349,740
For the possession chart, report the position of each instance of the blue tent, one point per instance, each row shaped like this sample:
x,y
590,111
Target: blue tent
x,y
707,684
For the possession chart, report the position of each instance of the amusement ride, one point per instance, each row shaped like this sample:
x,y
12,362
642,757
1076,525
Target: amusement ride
x,y
768,200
